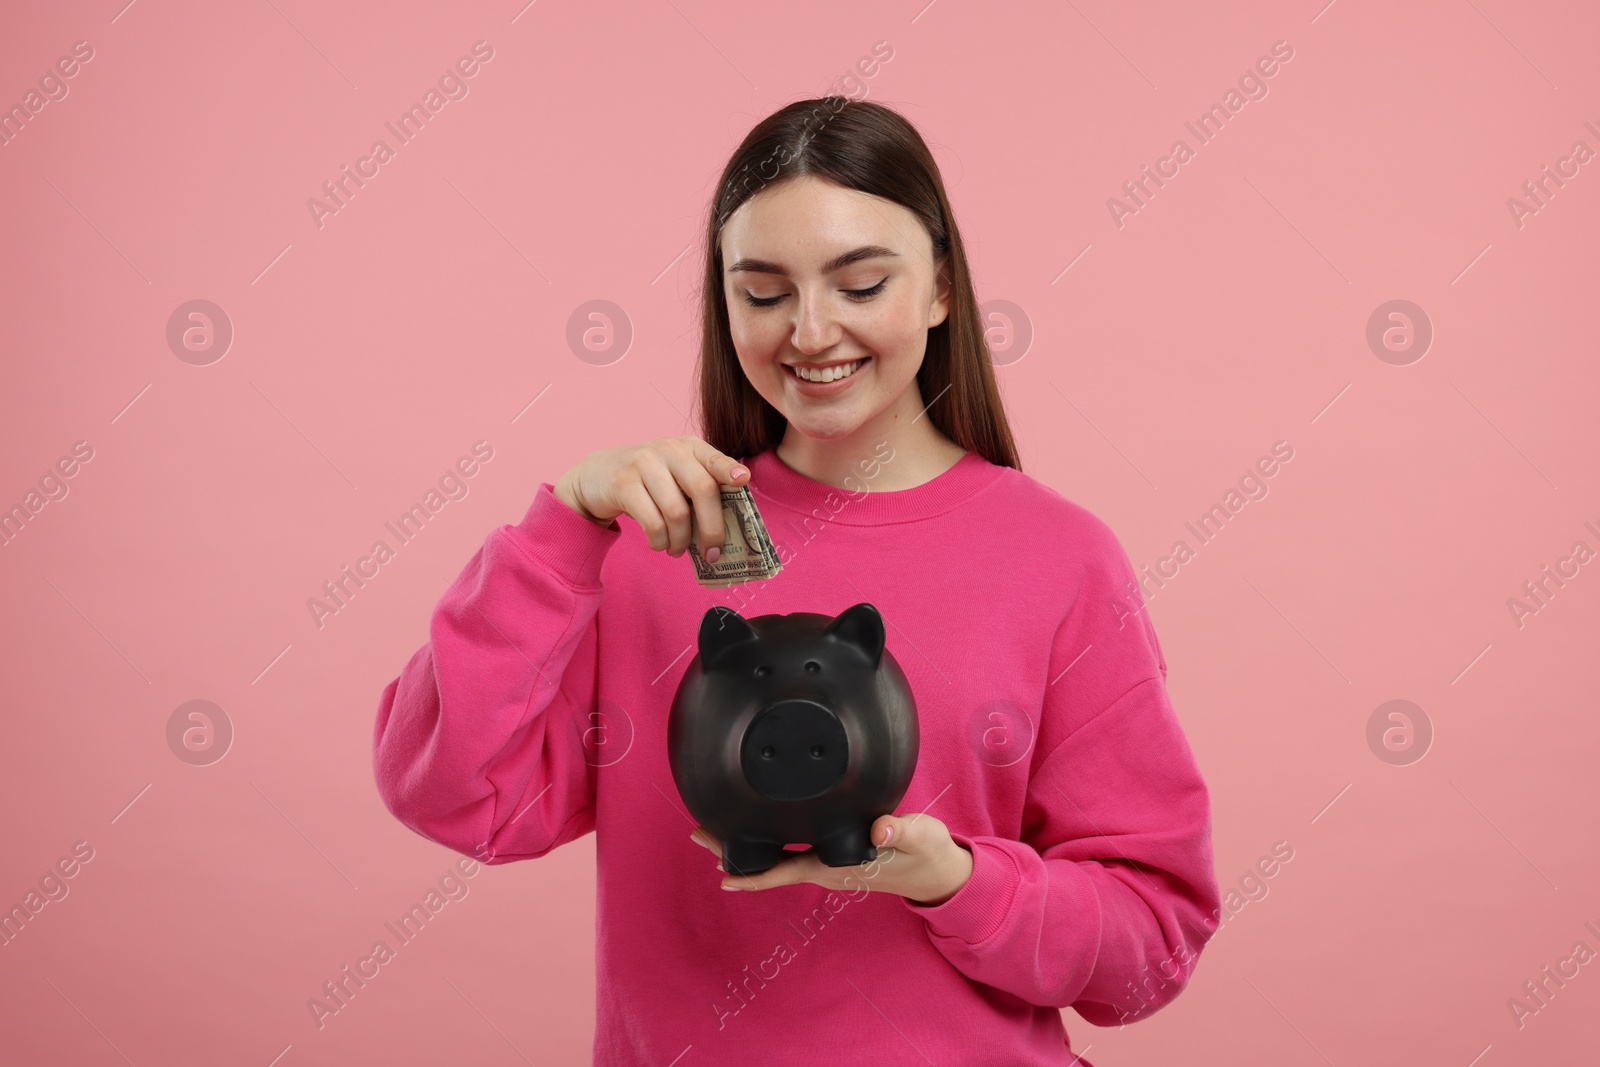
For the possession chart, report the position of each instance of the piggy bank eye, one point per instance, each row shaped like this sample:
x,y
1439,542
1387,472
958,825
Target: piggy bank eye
x,y
812,666
763,670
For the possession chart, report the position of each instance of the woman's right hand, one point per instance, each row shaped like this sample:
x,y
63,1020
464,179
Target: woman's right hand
x,y
664,485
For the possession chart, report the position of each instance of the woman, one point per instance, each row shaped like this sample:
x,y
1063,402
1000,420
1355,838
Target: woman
x,y
1054,846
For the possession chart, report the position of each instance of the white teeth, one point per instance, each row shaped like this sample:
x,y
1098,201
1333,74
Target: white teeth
x,y
828,374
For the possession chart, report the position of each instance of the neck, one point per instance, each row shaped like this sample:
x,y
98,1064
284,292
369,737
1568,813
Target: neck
x,y
917,451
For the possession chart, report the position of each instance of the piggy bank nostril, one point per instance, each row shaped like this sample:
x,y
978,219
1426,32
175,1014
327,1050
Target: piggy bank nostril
x,y
812,666
816,751
767,752
763,670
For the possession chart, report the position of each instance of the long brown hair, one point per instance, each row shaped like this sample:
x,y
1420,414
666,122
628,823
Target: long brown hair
x,y
871,148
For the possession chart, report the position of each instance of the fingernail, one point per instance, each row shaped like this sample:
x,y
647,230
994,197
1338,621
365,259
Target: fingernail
x,y
888,832
734,888
712,553
694,835
737,472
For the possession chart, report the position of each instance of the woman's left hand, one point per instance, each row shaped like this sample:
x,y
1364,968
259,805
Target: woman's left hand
x,y
917,859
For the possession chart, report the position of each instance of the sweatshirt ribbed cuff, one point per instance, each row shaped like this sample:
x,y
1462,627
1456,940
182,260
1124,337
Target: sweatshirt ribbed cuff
x,y
569,544
980,907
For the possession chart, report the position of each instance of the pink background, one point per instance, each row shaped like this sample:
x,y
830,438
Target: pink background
x,y
368,354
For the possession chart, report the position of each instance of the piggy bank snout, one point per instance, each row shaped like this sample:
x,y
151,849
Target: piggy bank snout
x,y
794,750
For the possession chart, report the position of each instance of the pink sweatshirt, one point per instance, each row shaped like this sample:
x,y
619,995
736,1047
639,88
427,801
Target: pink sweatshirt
x,y
537,712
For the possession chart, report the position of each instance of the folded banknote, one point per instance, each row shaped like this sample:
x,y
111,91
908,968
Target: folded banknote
x,y
747,552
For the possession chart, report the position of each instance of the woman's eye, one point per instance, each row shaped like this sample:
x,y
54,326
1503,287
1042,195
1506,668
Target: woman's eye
x,y
854,294
863,294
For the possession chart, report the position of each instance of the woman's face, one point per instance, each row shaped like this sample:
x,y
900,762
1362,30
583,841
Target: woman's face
x,y
785,249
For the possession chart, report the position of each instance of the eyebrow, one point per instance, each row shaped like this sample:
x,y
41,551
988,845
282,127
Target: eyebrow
x,y
855,255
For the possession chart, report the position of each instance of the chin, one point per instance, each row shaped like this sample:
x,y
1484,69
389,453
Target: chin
x,y
830,430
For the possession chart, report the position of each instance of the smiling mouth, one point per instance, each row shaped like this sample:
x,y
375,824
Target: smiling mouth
x,y
823,375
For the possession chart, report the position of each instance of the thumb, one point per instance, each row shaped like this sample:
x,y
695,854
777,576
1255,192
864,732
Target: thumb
x,y
903,835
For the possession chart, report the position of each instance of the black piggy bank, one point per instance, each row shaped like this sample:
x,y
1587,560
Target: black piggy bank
x,y
790,729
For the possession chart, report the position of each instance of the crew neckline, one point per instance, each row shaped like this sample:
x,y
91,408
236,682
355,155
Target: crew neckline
x,y
773,480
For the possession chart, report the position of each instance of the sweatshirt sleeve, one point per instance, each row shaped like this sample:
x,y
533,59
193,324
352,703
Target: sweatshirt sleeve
x,y
479,743
1106,902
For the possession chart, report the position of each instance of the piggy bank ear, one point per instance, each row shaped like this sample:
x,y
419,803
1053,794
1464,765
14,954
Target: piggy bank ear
x,y
862,626
721,630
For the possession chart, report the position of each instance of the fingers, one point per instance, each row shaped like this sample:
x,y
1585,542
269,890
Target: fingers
x,y
681,478
933,869
671,530
669,486
794,867
699,484
709,841
703,476
637,502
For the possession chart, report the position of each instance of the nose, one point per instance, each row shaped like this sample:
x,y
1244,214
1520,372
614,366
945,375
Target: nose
x,y
794,750
816,330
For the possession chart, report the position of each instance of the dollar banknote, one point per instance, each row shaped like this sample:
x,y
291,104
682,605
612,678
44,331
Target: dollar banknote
x,y
747,552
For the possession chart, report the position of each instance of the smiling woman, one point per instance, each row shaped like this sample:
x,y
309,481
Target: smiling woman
x,y
845,309
840,335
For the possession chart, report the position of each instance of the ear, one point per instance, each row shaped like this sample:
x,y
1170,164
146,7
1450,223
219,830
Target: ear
x,y
722,630
939,308
862,626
